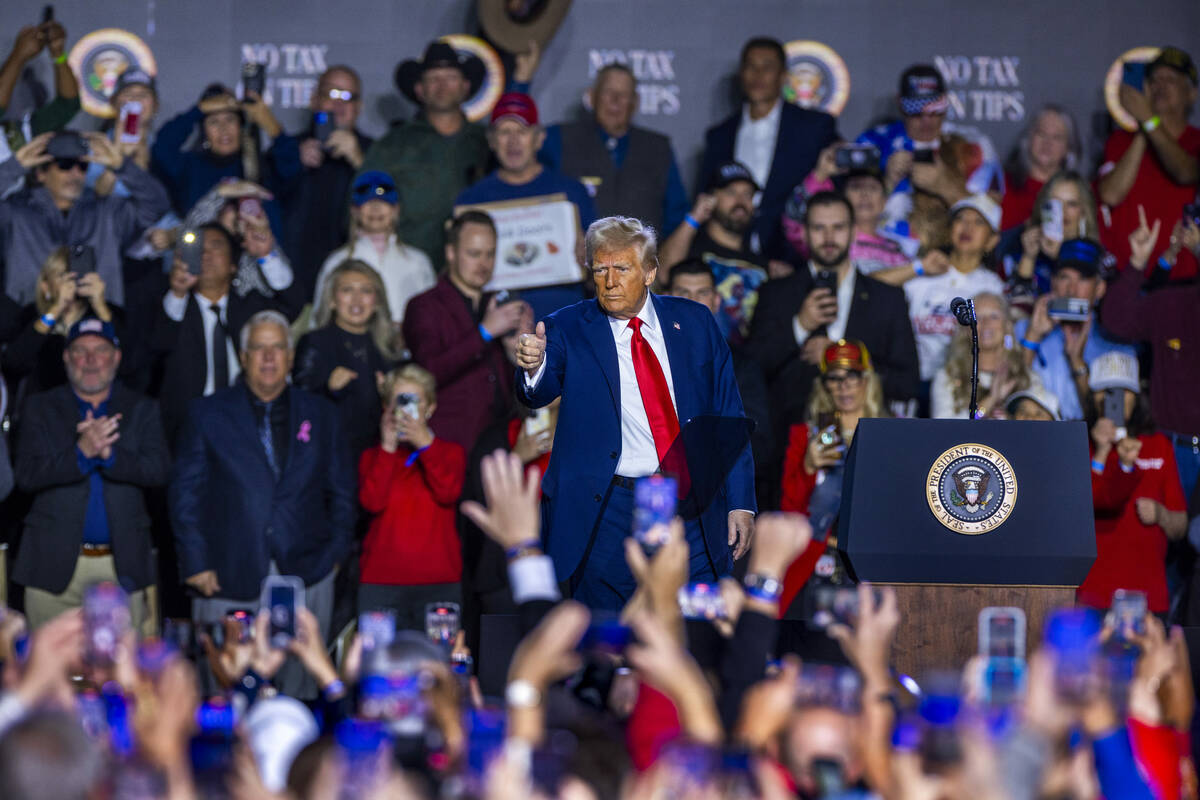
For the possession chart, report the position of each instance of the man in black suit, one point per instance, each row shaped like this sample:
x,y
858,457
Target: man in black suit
x,y
86,452
778,141
263,484
197,325
826,300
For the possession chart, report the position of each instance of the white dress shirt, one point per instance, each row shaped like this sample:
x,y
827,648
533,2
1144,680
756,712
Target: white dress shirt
x,y
177,306
754,144
638,454
845,296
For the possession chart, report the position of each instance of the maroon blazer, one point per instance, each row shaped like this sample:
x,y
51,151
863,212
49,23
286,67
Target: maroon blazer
x,y
445,339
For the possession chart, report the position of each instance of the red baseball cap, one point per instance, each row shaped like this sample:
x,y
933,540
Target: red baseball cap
x,y
846,354
517,105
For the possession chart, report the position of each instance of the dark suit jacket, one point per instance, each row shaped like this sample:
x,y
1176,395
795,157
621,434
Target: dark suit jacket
x,y
47,467
803,133
184,355
229,513
878,318
445,340
581,367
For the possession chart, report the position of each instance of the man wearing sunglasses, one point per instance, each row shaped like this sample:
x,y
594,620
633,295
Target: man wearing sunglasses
x,y
55,208
331,150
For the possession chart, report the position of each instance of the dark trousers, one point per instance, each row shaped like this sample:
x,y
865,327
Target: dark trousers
x,y
407,601
603,581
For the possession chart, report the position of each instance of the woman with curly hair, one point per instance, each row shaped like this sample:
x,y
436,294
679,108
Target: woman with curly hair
x,y
1002,368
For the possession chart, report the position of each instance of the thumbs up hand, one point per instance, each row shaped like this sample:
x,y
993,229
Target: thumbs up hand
x,y
531,350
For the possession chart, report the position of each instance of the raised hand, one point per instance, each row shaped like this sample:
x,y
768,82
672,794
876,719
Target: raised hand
x,y
512,493
531,349
1142,240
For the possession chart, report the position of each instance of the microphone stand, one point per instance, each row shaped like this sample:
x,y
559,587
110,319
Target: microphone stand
x,y
970,310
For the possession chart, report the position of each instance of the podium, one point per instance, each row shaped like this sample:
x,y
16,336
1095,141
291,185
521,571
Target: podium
x,y
959,515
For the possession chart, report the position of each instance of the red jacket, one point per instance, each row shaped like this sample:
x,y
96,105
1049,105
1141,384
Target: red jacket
x,y
1130,555
798,487
412,539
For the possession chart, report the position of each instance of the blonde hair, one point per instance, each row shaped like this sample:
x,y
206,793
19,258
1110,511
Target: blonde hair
x,y
1091,228
380,324
618,233
55,265
820,401
958,357
413,373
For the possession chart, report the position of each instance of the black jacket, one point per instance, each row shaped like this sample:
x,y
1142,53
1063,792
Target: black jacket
x,y
47,467
878,318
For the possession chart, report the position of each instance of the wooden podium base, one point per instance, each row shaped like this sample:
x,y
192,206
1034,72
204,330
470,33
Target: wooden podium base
x,y
939,627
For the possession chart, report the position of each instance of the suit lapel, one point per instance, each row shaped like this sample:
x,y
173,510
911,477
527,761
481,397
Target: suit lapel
x,y
599,335
782,141
860,308
241,416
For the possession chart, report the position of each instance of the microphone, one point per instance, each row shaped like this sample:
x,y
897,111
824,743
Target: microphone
x,y
963,311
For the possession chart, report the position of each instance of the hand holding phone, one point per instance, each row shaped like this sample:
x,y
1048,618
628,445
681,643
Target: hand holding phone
x,y
129,125
282,595
1052,219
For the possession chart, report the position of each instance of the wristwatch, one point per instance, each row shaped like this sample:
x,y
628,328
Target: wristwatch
x,y
522,694
1080,371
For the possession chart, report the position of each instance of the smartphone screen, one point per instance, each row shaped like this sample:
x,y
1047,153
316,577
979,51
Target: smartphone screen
x,y
191,250
1052,219
1002,632
131,116
283,613
1114,406
1133,73
653,509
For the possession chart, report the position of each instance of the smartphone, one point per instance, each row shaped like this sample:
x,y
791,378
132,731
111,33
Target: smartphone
x,y
605,635
856,156
129,126
1069,309
191,249
251,207
1074,636
1003,681
835,604
81,259
1191,213
1114,406
442,624
244,618
377,628
47,13
282,596
1002,632
653,509
537,422
924,155
120,727
254,79
407,404
323,126
211,749
1052,219
702,601
1127,614
826,279
1133,73
106,622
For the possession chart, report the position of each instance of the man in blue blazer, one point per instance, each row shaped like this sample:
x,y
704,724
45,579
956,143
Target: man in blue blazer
x,y
262,483
777,140
632,368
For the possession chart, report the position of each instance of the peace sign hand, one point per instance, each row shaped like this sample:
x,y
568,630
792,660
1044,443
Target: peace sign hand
x,y
1142,240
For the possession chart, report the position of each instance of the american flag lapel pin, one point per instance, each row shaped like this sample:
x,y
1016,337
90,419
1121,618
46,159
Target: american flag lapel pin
x,y
676,324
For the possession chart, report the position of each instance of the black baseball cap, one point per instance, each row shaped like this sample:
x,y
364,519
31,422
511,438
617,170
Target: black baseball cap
x,y
731,172
1082,255
92,326
1177,60
921,86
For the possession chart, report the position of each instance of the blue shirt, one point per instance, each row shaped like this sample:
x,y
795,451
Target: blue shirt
x,y
675,201
95,521
1052,366
544,299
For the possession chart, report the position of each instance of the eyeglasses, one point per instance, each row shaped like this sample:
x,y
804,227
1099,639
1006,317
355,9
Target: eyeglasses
x,y
341,94
850,379
66,164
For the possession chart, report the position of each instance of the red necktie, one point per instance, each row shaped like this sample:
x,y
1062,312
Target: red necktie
x,y
656,395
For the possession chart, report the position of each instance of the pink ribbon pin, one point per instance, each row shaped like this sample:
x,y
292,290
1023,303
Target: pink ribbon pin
x,y
305,431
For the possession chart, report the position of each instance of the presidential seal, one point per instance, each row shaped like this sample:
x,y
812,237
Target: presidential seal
x,y
971,489
817,77
1112,84
99,58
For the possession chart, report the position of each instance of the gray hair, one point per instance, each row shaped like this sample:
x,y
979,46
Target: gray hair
x,y
1019,165
619,233
263,318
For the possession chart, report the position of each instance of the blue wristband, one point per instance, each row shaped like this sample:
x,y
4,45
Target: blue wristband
x,y
763,595
334,690
414,455
918,267
1097,466
1163,264
487,337
47,320
691,221
1028,345
513,552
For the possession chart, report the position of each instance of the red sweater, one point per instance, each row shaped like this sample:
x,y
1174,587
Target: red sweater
x,y
1130,555
412,539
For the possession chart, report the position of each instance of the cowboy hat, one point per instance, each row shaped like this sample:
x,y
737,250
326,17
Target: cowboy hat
x,y
439,54
510,24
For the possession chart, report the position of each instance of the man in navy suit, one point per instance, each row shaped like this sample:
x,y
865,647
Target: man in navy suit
x,y
631,368
778,141
262,484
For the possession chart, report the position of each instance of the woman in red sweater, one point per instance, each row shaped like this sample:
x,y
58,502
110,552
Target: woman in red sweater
x,y
411,482
1136,494
847,390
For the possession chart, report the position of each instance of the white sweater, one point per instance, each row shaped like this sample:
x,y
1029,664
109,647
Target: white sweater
x,y
406,271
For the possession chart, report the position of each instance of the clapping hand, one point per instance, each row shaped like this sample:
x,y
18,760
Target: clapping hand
x,y
97,435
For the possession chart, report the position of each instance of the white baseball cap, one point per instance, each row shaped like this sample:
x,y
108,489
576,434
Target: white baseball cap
x,y
1114,370
985,205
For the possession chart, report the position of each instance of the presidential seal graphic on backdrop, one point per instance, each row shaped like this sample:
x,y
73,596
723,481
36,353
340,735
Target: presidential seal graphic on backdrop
x,y
479,105
817,77
971,489
99,58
